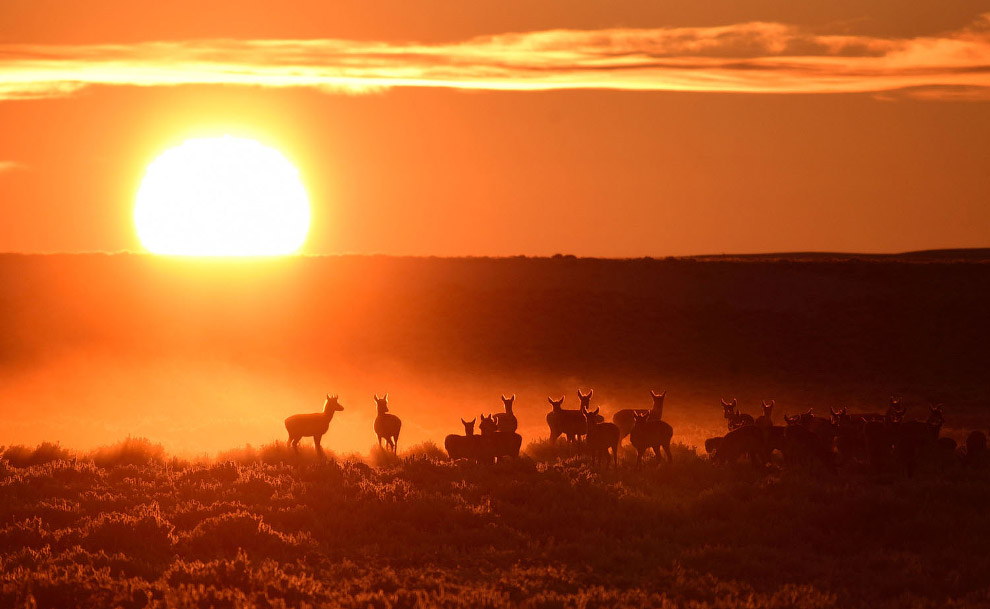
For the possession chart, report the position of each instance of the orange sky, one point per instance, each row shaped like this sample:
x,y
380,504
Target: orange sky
x,y
502,128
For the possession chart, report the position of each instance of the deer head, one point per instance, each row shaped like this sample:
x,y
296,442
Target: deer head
x,y
332,404
488,424
507,403
838,416
586,398
658,400
795,420
728,408
381,403
935,417
556,403
469,426
767,408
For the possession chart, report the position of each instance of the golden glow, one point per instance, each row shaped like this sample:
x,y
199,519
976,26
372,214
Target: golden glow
x,y
224,196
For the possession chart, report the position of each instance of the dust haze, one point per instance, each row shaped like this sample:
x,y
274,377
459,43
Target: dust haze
x,y
204,356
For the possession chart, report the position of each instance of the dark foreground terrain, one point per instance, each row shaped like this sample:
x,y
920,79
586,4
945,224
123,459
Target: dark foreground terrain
x,y
129,526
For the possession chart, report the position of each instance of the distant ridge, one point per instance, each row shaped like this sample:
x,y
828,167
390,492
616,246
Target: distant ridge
x,y
979,254
940,255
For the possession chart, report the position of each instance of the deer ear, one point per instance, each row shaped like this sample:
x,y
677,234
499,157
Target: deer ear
x,y
386,396
513,398
597,409
591,392
810,411
550,399
503,398
724,403
473,420
376,397
654,393
771,403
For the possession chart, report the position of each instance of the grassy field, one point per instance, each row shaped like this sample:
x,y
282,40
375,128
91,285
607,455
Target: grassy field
x,y
130,526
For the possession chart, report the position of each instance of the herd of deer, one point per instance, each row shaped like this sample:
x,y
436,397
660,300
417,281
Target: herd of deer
x,y
882,440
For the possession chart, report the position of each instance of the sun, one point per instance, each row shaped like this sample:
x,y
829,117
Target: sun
x,y
221,196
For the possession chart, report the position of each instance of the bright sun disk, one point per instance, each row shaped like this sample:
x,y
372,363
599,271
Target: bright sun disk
x,y
223,196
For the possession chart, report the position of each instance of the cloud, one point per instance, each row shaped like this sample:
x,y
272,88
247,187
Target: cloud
x,y
10,166
744,58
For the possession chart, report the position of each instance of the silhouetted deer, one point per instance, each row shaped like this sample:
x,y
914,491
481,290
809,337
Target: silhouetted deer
x,y
506,420
625,419
916,438
803,446
601,438
894,409
766,419
649,433
570,423
316,424
732,415
881,435
466,446
850,435
387,425
745,440
497,444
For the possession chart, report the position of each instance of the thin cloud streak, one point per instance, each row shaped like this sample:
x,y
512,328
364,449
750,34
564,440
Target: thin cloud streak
x,y
6,166
741,58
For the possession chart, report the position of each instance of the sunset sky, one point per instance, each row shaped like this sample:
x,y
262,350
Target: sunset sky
x,y
503,128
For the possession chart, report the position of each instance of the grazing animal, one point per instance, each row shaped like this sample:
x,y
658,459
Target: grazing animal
x,y
601,438
803,446
648,433
387,425
745,440
315,424
463,447
766,419
976,450
626,418
571,423
712,444
506,420
735,418
497,444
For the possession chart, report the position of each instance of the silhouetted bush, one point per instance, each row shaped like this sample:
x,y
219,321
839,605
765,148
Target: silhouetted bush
x,y
132,451
46,452
544,530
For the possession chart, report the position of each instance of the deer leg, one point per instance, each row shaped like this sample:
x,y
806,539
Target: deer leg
x,y
316,442
666,449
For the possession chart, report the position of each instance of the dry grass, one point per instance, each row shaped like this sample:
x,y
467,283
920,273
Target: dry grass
x,y
130,527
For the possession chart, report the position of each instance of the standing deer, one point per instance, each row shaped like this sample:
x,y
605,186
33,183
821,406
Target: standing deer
x,y
917,438
506,420
766,419
497,444
744,440
571,423
735,419
466,446
801,445
649,433
316,424
601,438
387,425
625,419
